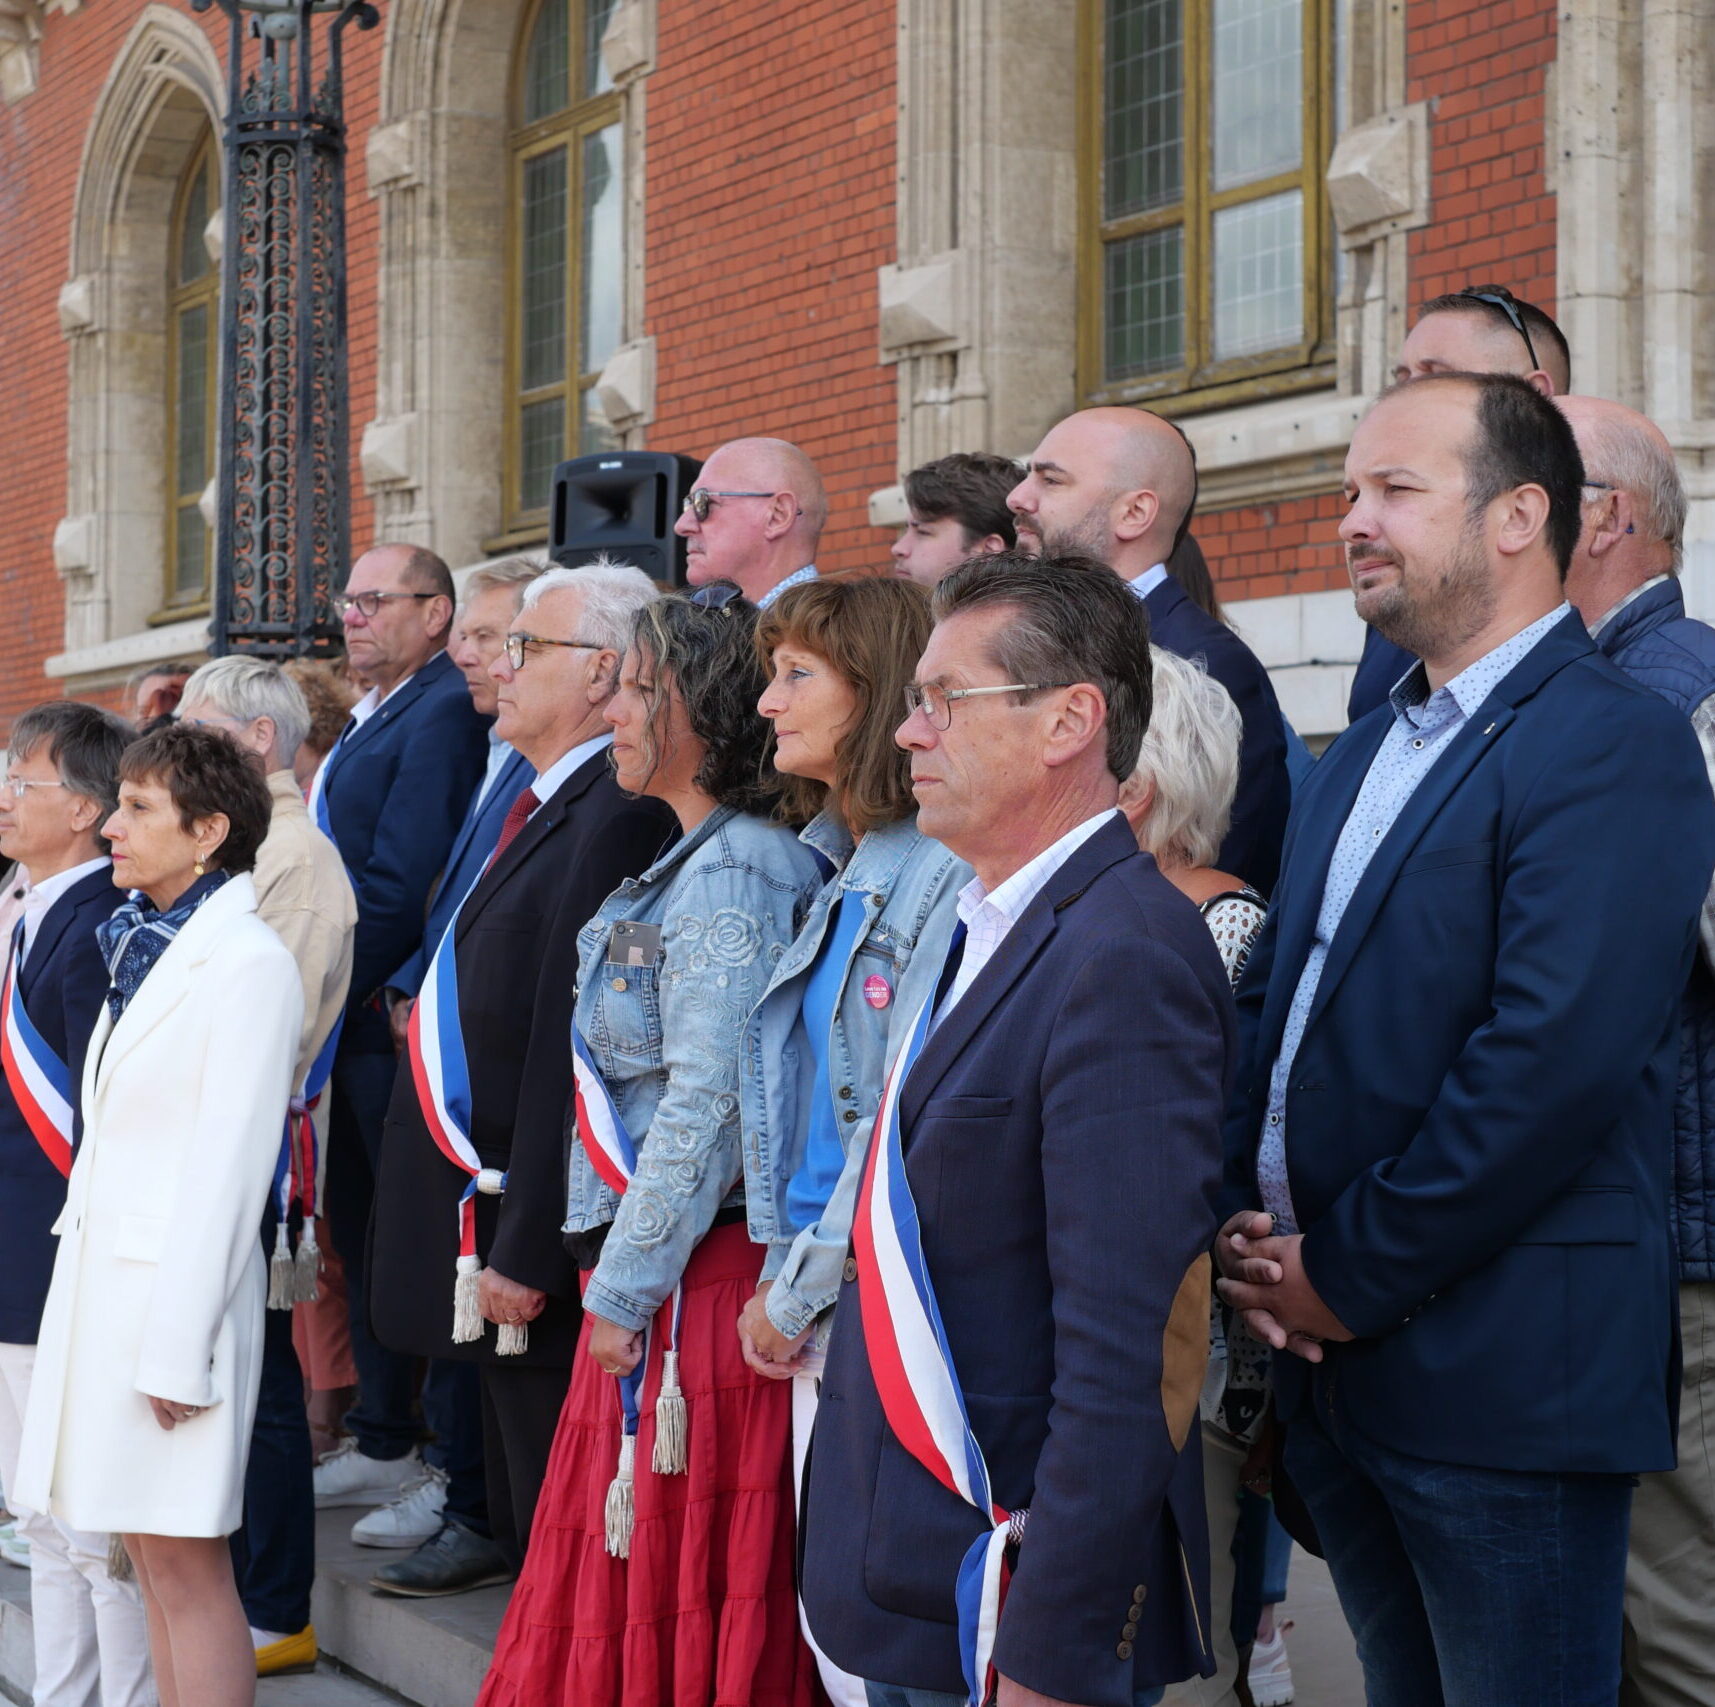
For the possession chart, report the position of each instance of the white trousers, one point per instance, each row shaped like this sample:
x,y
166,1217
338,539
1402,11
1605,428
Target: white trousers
x,y
843,1689
92,1642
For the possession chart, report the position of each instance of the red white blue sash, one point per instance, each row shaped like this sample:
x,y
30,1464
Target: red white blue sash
x,y
294,1281
913,1367
440,1075
613,1155
40,1081
317,799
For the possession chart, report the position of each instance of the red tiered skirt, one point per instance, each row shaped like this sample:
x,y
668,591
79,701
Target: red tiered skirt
x,y
704,1613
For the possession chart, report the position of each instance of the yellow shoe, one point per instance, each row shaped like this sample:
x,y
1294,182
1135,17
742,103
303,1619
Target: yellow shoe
x,y
289,1654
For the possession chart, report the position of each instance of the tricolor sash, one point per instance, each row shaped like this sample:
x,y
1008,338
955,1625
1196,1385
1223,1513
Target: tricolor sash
x,y
318,795
913,1367
40,1081
613,1155
293,1281
440,1074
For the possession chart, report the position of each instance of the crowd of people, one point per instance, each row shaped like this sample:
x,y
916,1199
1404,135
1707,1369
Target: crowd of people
x,y
888,1138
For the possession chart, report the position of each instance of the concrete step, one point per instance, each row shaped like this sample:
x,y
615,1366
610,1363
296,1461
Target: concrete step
x,y
433,1652
378,1650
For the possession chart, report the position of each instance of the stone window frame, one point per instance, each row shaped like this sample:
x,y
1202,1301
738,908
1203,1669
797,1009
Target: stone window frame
x,y
1203,382
433,456
164,89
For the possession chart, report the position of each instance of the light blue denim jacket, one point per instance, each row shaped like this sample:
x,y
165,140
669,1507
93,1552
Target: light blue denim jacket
x,y
909,885
728,897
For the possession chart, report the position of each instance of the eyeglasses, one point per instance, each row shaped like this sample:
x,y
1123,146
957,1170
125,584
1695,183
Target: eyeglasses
x,y
1498,296
936,703
370,603
717,595
518,646
1598,486
19,786
701,499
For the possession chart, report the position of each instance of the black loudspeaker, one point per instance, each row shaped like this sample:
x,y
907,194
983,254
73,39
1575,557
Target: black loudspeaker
x,y
624,503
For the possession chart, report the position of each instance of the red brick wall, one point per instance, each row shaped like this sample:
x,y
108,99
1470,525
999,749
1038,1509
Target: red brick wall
x,y
769,207
1265,550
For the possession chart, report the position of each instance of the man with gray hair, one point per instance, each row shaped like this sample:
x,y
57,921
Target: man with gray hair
x,y
754,518
499,991
303,893
1624,581
61,784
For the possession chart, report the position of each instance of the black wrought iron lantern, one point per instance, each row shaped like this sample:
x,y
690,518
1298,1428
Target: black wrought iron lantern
x,y
283,534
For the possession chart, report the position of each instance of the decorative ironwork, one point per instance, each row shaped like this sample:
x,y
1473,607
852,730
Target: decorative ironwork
x,y
283,535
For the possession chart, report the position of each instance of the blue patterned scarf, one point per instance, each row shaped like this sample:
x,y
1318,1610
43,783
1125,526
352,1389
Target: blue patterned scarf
x,y
136,935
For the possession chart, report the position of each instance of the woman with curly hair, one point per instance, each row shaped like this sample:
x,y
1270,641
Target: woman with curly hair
x,y
660,1568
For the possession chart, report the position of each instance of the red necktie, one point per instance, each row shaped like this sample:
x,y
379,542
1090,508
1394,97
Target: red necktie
x,y
517,816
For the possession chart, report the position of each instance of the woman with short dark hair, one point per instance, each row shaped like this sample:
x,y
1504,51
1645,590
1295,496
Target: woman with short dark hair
x,y
659,1572
149,1356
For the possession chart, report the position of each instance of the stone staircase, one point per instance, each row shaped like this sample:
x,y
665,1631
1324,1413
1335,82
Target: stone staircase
x,y
376,1650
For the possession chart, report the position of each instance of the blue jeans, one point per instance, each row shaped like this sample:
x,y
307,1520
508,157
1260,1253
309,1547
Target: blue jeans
x,y
897,1695
1466,1587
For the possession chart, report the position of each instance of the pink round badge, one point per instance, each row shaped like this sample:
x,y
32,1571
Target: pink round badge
x,y
877,991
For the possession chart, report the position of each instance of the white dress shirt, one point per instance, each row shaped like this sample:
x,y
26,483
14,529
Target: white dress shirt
x,y
499,752
988,917
42,896
1149,580
549,781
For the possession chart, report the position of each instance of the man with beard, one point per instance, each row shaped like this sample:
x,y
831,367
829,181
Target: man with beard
x,y
1119,485
1458,1065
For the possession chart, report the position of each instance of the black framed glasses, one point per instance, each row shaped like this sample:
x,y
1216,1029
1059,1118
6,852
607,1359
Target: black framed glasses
x,y
936,703
518,646
370,603
1498,296
717,595
701,499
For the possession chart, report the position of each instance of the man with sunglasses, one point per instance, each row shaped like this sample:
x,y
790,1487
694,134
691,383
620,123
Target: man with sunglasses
x,y
1483,328
503,981
754,518
391,794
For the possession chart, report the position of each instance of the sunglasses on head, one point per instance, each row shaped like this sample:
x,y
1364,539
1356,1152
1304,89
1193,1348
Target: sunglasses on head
x,y
1498,296
716,596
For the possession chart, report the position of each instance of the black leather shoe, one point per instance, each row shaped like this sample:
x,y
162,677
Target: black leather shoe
x,y
451,1561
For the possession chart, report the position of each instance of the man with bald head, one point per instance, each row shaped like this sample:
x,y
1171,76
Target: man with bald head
x,y
1624,581
1119,485
391,794
754,517
1483,328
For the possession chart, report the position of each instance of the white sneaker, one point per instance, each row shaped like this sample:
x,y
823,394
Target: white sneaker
x,y
14,1548
1270,1676
411,1519
347,1477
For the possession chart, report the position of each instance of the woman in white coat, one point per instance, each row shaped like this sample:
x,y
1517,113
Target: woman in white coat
x,y
150,1353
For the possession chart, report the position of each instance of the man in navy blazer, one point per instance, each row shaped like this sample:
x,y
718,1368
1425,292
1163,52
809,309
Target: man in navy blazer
x,y
62,782
392,794
1120,484
1459,1051
491,596
1061,1139
1481,329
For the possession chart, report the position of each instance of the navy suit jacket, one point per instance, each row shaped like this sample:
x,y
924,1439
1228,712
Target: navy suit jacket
x,y
465,859
1380,665
1479,1116
62,987
396,790
1062,1137
1252,847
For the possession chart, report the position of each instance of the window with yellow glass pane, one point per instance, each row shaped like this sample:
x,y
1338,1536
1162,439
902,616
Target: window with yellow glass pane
x,y
566,277
193,371
1206,261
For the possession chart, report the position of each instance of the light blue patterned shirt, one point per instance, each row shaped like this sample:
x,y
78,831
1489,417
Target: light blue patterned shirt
x,y
1424,725
796,579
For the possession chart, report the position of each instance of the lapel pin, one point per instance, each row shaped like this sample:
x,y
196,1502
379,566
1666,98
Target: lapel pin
x,y
877,991
1490,730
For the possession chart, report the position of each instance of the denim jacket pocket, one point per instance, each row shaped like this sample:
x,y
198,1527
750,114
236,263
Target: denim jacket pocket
x,y
627,1021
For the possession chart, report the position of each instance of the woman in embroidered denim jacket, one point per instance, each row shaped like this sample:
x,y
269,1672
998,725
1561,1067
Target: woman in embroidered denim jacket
x,y
685,1459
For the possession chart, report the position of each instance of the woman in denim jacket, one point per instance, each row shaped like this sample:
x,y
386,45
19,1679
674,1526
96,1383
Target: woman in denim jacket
x,y
661,1561
818,1046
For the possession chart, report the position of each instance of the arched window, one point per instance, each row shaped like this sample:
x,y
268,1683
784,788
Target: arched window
x,y
193,369
567,248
